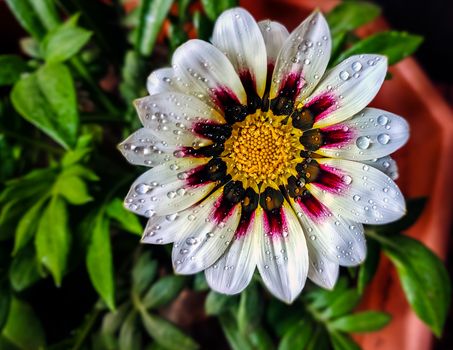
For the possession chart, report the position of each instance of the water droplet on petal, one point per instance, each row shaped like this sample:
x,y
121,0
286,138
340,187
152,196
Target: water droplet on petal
x,y
191,241
347,179
382,120
363,142
344,75
142,188
383,139
357,66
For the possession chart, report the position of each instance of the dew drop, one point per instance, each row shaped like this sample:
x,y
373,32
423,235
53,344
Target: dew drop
x,y
191,241
344,75
142,188
382,120
383,139
357,66
356,197
363,142
347,179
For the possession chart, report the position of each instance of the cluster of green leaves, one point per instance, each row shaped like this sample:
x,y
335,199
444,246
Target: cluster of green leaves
x,y
320,319
61,184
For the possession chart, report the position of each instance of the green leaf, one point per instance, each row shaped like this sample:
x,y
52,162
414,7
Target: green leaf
x,y
343,304
26,16
217,303
342,342
281,316
46,12
297,336
113,320
130,337
167,334
152,16
100,262
395,45
27,226
23,271
73,189
260,339
203,25
236,340
47,100
350,15
64,42
30,47
5,302
11,67
128,221
133,83
368,269
36,182
81,171
367,321
80,153
53,238
199,283
163,291
143,273
214,8
424,278
320,298
23,328
177,36
250,309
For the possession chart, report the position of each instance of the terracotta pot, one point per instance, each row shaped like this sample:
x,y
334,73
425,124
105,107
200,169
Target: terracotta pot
x,y
425,169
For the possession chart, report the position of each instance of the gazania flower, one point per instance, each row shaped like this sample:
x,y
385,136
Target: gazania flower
x,y
262,158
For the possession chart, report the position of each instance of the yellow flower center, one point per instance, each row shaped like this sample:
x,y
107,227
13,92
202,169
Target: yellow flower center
x,y
262,150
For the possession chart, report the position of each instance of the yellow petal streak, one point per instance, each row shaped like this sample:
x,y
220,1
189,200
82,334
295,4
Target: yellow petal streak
x,y
263,150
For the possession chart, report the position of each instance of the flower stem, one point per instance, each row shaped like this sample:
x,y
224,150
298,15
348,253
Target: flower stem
x,y
89,324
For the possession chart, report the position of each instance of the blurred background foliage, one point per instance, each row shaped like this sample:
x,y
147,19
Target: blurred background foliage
x,y
72,272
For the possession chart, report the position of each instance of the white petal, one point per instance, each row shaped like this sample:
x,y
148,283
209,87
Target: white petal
x,y
322,271
144,147
274,34
163,189
164,229
161,80
385,164
203,239
350,86
304,55
233,272
335,238
283,261
371,133
238,36
174,107
367,195
205,72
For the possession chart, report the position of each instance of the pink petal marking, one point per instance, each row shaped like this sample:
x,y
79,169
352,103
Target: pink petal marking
x,y
223,209
337,136
330,179
314,209
275,223
291,86
321,105
245,224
